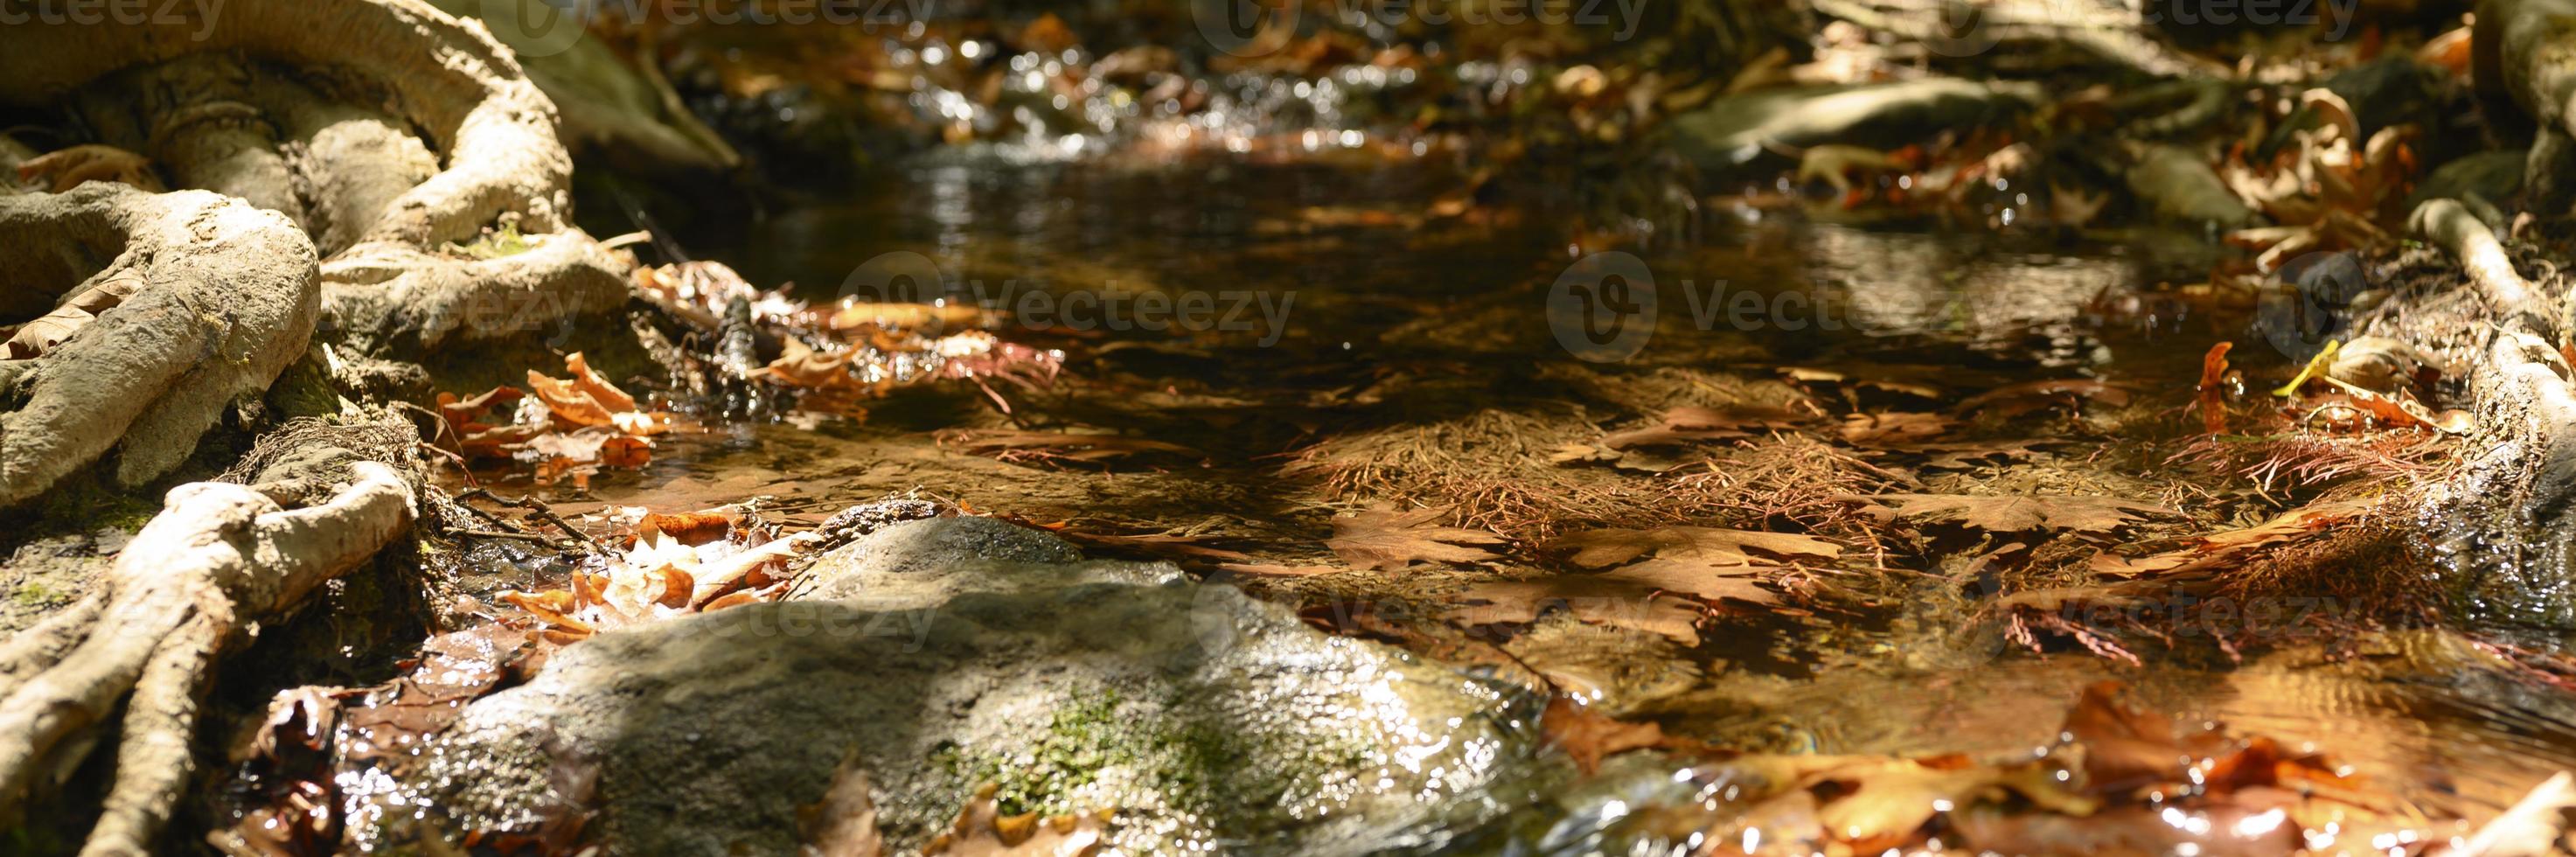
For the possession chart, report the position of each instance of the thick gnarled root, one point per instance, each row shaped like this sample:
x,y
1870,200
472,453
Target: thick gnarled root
x,y
2525,464
371,123
216,559
217,299
2525,57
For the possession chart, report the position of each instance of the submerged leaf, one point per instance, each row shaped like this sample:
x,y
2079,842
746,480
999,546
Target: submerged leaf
x,y
2011,513
1385,539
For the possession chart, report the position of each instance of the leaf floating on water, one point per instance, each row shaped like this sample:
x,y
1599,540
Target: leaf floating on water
x,y
2232,547
1049,447
1384,539
1703,562
1603,548
1587,737
586,423
2213,388
2017,399
1592,599
2013,513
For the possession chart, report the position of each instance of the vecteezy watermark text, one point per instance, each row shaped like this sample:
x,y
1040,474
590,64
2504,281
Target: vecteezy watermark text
x,y
1604,307
907,277
1962,28
1252,28
123,13
547,27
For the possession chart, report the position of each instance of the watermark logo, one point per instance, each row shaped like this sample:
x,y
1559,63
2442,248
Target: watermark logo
x,y
898,277
1246,28
2338,14
537,28
198,15
908,277
1602,309
1960,30
2310,302
1257,28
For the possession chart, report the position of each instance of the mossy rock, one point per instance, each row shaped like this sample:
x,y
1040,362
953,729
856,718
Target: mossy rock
x,y
977,652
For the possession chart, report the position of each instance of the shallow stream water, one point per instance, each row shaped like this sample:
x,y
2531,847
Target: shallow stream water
x,y
1334,305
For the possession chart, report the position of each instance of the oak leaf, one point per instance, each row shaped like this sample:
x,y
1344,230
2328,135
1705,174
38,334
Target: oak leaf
x,y
1383,539
2012,513
1587,737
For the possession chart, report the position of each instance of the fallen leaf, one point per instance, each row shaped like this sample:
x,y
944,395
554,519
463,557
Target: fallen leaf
x,y
63,169
2213,390
1017,446
1898,427
1384,539
1607,547
2231,547
2012,513
843,823
1688,425
982,830
1591,599
2017,399
1587,737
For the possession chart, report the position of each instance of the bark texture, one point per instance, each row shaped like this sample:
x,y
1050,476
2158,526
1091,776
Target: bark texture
x,y
218,558
223,297
385,128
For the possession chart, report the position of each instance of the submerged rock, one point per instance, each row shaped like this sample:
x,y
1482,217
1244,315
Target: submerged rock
x,y
1745,133
967,650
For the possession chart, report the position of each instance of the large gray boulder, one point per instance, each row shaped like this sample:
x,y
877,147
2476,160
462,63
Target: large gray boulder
x,y
963,650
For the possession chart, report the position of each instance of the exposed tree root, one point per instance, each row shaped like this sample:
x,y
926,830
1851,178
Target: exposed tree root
x,y
218,297
2525,466
1956,30
218,558
2524,57
384,127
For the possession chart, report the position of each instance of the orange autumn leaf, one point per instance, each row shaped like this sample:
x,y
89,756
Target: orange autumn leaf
x,y
2213,398
1587,737
568,402
606,394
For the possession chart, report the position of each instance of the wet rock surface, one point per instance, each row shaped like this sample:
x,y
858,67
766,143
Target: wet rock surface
x,y
963,651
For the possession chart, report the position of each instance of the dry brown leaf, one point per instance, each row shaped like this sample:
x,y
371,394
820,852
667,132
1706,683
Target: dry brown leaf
x,y
1384,539
1011,445
1587,737
63,169
1895,427
1687,425
2012,513
1590,598
2228,547
843,823
2017,399
1607,547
